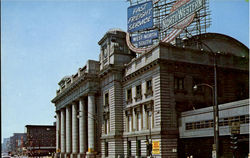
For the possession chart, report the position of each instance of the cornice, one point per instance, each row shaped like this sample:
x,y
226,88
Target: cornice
x,y
85,77
110,68
141,70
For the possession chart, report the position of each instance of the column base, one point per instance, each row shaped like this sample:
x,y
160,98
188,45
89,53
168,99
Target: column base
x,y
91,155
74,155
58,155
67,155
81,155
62,155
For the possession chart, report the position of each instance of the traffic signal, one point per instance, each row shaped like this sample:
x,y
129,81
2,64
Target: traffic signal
x,y
234,142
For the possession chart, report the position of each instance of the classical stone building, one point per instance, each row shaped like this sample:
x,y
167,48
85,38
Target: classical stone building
x,y
115,106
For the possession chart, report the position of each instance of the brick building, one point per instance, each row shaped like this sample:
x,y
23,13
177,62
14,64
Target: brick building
x,y
41,140
6,145
16,143
114,106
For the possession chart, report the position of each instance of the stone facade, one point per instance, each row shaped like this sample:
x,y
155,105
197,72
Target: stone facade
x,y
115,106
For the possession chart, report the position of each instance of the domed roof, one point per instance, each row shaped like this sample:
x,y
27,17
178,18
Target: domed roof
x,y
221,43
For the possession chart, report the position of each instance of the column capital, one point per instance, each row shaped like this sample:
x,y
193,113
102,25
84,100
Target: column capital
x,y
91,94
74,102
68,106
81,98
62,109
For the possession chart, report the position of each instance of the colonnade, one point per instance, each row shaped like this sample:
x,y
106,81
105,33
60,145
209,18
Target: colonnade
x,y
75,128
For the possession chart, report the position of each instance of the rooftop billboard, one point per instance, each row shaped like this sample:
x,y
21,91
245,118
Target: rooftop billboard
x,y
140,16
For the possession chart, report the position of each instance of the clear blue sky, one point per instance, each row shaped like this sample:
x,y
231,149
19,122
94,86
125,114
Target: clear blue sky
x,y
42,41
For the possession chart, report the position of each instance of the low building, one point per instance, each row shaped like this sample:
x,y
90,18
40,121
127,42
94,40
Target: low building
x,y
6,145
17,143
41,140
115,106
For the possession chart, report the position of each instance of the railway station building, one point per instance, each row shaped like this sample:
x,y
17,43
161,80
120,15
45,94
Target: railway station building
x,y
115,106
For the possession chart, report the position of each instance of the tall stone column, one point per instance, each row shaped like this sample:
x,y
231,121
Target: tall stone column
x,y
74,129
134,120
58,124
63,128
144,115
68,129
91,124
82,127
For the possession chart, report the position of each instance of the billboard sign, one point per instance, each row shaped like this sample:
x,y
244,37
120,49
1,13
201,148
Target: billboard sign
x,y
182,15
140,16
181,11
144,39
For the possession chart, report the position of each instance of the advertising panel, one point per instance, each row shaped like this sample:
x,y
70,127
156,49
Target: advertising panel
x,y
156,147
181,13
144,39
140,16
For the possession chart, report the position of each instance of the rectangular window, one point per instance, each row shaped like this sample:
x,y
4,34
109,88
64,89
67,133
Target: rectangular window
x,y
106,99
106,149
149,85
129,148
202,124
242,119
211,123
138,92
149,91
188,126
225,122
179,83
221,122
247,118
138,148
129,96
104,50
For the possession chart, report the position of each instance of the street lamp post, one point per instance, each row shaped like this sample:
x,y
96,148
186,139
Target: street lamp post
x,y
150,146
214,91
216,109
149,140
216,116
